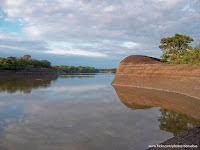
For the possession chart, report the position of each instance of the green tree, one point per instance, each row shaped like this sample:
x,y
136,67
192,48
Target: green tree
x,y
45,64
193,56
174,48
26,57
25,62
72,69
12,62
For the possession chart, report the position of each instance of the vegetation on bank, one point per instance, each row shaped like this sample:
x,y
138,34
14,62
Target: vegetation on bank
x,y
73,69
25,62
176,50
80,69
112,70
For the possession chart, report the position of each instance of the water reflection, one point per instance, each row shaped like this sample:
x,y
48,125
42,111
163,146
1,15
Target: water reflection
x,y
78,76
25,85
85,113
179,112
75,113
176,123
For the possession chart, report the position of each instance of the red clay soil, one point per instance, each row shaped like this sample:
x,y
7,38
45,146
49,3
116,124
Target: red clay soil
x,y
140,59
148,72
142,81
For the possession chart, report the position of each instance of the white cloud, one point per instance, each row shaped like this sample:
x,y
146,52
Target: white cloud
x,y
130,44
75,52
14,2
110,8
21,44
93,21
166,4
32,31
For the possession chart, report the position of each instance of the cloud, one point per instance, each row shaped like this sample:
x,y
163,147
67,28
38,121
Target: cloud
x,y
117,22
32,31
22,44
130,44
75,52
110,8
14,3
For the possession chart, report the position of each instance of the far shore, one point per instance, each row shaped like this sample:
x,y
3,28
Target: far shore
x,y
40,72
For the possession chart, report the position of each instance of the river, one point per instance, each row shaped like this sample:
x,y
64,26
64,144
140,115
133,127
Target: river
x,y
83,112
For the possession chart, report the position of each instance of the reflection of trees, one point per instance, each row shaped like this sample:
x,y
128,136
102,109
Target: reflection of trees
x,y
24,84
176,123
78,76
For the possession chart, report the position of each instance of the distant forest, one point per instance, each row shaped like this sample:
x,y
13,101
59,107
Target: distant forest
x,y
80,69
26,62
73,69
112,70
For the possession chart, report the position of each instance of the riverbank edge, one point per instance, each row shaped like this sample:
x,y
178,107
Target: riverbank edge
x,y
186,140
27,73
148,72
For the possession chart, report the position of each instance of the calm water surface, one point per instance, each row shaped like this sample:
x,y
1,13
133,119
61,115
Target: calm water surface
x,y
80,112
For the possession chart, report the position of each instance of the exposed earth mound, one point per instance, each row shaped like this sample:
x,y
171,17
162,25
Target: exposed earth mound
x,y
148,72
139,59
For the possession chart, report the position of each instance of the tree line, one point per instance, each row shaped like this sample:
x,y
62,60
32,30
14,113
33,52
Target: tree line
x,y
80,69
25,62
176,50
73,69
103,70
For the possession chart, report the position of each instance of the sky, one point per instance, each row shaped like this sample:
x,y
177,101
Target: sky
x,y
97,33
